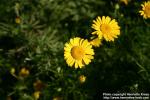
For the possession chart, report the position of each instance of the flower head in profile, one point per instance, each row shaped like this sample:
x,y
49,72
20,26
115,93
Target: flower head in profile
x,y
145,12
106,28
82,78
78,52
96,42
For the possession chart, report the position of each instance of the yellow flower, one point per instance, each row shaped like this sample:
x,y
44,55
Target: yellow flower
x,y
57,98
38,85
106,28
78,52
96,42
36,95
24,72
82,78
125,1
145,12
18,20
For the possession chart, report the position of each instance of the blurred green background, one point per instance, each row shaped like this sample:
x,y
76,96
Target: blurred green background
x,y
36,40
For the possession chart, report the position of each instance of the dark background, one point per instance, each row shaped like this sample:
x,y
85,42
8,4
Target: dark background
x,y
46,25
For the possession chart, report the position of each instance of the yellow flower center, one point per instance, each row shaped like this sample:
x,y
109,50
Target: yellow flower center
x,y
82,78
77,52
105,28
147,10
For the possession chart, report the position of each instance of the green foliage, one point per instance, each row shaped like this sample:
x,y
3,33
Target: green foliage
x,y
37,41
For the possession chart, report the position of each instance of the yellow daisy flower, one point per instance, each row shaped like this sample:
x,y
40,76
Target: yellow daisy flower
x,y
57,98
105,27
36,95
145,12
96,42
78,52
82,78
125,1
24,72
18,20
38,85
